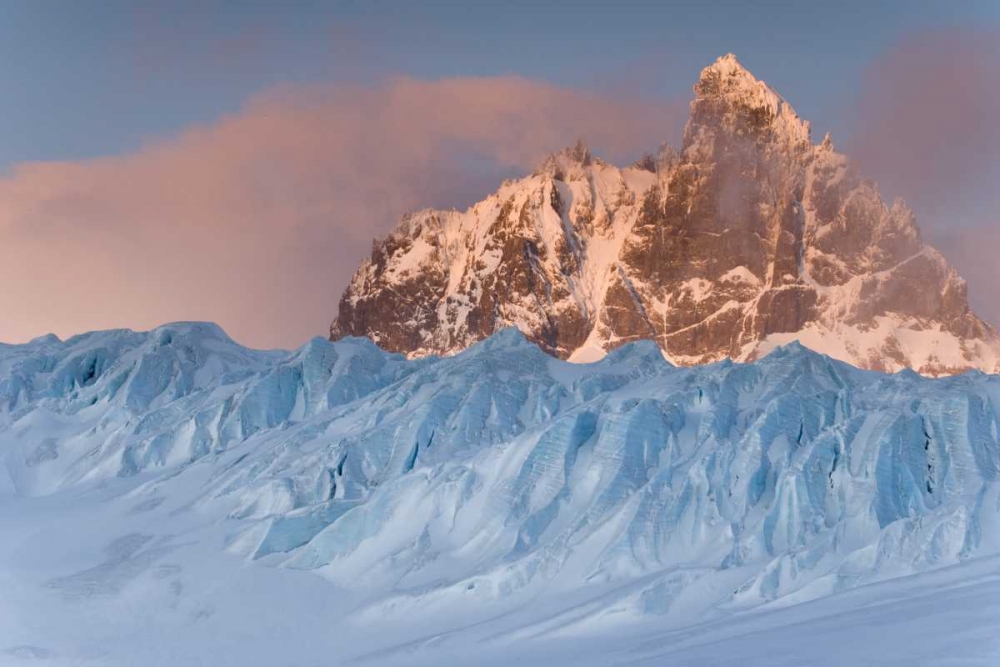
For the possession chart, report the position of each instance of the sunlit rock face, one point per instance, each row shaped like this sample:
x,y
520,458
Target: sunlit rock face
x,y
749,236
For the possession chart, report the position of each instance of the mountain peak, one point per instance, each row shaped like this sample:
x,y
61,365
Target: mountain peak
x,y
725,76
747,238
559,164
728,97
578,152
727,64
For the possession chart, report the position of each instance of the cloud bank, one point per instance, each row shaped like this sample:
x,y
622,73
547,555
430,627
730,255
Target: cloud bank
x,y
258,220
928,128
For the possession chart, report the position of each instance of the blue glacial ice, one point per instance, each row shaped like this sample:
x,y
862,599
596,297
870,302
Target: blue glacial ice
x,y
501,472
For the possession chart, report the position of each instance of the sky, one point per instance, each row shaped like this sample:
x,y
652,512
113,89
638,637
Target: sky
x,y
231,161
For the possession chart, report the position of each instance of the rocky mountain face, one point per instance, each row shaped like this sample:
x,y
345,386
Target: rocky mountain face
x,y
750,236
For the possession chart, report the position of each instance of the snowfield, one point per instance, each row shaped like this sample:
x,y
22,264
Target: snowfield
x,y
172,498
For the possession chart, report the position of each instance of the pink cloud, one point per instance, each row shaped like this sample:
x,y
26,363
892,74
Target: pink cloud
x,y
258,220
928,128
929,118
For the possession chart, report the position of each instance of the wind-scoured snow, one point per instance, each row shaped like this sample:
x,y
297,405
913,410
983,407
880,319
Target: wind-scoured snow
x,y
171,495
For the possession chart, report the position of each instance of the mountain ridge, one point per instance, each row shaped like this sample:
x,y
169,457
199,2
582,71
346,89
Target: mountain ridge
x,y
749,236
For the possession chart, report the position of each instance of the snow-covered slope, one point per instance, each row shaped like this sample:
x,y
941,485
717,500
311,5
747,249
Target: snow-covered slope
x,y
498,494
751,236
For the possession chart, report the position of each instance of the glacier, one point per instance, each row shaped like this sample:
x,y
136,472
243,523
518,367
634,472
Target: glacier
x,y
170,495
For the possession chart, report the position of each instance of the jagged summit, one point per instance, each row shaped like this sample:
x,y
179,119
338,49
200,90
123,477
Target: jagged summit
x,y
728,76
728,60
729,98
567,162
749,237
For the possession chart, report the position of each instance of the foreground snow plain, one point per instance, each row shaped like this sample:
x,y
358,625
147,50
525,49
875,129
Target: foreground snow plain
x,y
172,498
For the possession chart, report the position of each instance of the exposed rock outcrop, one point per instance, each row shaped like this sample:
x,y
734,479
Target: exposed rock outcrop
x,y
749,236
